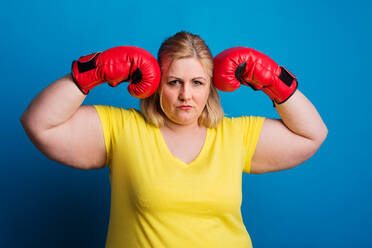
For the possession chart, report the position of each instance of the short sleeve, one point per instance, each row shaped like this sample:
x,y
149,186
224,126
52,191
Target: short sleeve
x,y
112,122
251,131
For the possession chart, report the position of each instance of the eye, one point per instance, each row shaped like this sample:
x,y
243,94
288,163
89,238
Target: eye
x,y
174,82
198,82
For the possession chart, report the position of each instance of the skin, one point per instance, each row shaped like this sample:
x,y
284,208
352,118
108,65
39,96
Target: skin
x,y
185,83
287,142
63,129
184,91
71,133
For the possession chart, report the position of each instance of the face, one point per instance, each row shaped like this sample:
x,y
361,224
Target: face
x,y
184,91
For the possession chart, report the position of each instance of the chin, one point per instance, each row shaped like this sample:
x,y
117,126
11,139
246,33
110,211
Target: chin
x,y
183,117
184,120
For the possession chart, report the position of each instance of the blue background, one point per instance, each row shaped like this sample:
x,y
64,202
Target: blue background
x,y
325,202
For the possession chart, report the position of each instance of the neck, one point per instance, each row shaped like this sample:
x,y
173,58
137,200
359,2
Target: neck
x,y
178,128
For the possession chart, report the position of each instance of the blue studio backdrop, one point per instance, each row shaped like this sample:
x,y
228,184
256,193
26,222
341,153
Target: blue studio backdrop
x,y
327,44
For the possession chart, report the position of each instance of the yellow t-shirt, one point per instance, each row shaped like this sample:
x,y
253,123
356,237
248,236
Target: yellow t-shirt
x,y
159,201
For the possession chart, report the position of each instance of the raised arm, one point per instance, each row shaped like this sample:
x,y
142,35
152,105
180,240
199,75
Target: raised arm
x,y
287,142
283,143
71,133
63,129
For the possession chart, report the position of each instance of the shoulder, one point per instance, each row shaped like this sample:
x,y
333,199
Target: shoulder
x,y
113,112
121,118
245,122
244,128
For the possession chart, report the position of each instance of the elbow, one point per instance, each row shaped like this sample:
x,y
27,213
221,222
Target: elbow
x,y
23,120
318,141
29,125
322,135
325,133
315,143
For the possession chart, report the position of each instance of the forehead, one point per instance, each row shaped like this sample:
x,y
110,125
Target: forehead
x,y
185,67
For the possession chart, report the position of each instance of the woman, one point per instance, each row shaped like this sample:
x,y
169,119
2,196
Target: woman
x,y
176,166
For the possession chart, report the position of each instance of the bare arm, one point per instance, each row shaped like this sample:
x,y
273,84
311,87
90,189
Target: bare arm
x,y
288,142
63,129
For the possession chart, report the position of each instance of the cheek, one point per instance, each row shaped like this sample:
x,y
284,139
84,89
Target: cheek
x,y
203,97
166,99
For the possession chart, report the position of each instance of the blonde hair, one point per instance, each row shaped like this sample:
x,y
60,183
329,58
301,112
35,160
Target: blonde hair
x,y
184,45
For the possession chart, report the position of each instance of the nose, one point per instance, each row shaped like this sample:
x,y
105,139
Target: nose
x,y
185,92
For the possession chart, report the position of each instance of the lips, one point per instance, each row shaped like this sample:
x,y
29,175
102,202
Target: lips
x,y
185,107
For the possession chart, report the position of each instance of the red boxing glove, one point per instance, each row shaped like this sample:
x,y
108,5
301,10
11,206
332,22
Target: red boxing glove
x,y
116,65
242,65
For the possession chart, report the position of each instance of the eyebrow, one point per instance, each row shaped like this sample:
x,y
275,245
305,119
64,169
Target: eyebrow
x,y
181,78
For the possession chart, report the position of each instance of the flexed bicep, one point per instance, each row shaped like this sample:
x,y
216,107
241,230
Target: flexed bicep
x,y
278,148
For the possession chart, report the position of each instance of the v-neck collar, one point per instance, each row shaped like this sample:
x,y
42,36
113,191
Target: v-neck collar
x,y
165,148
